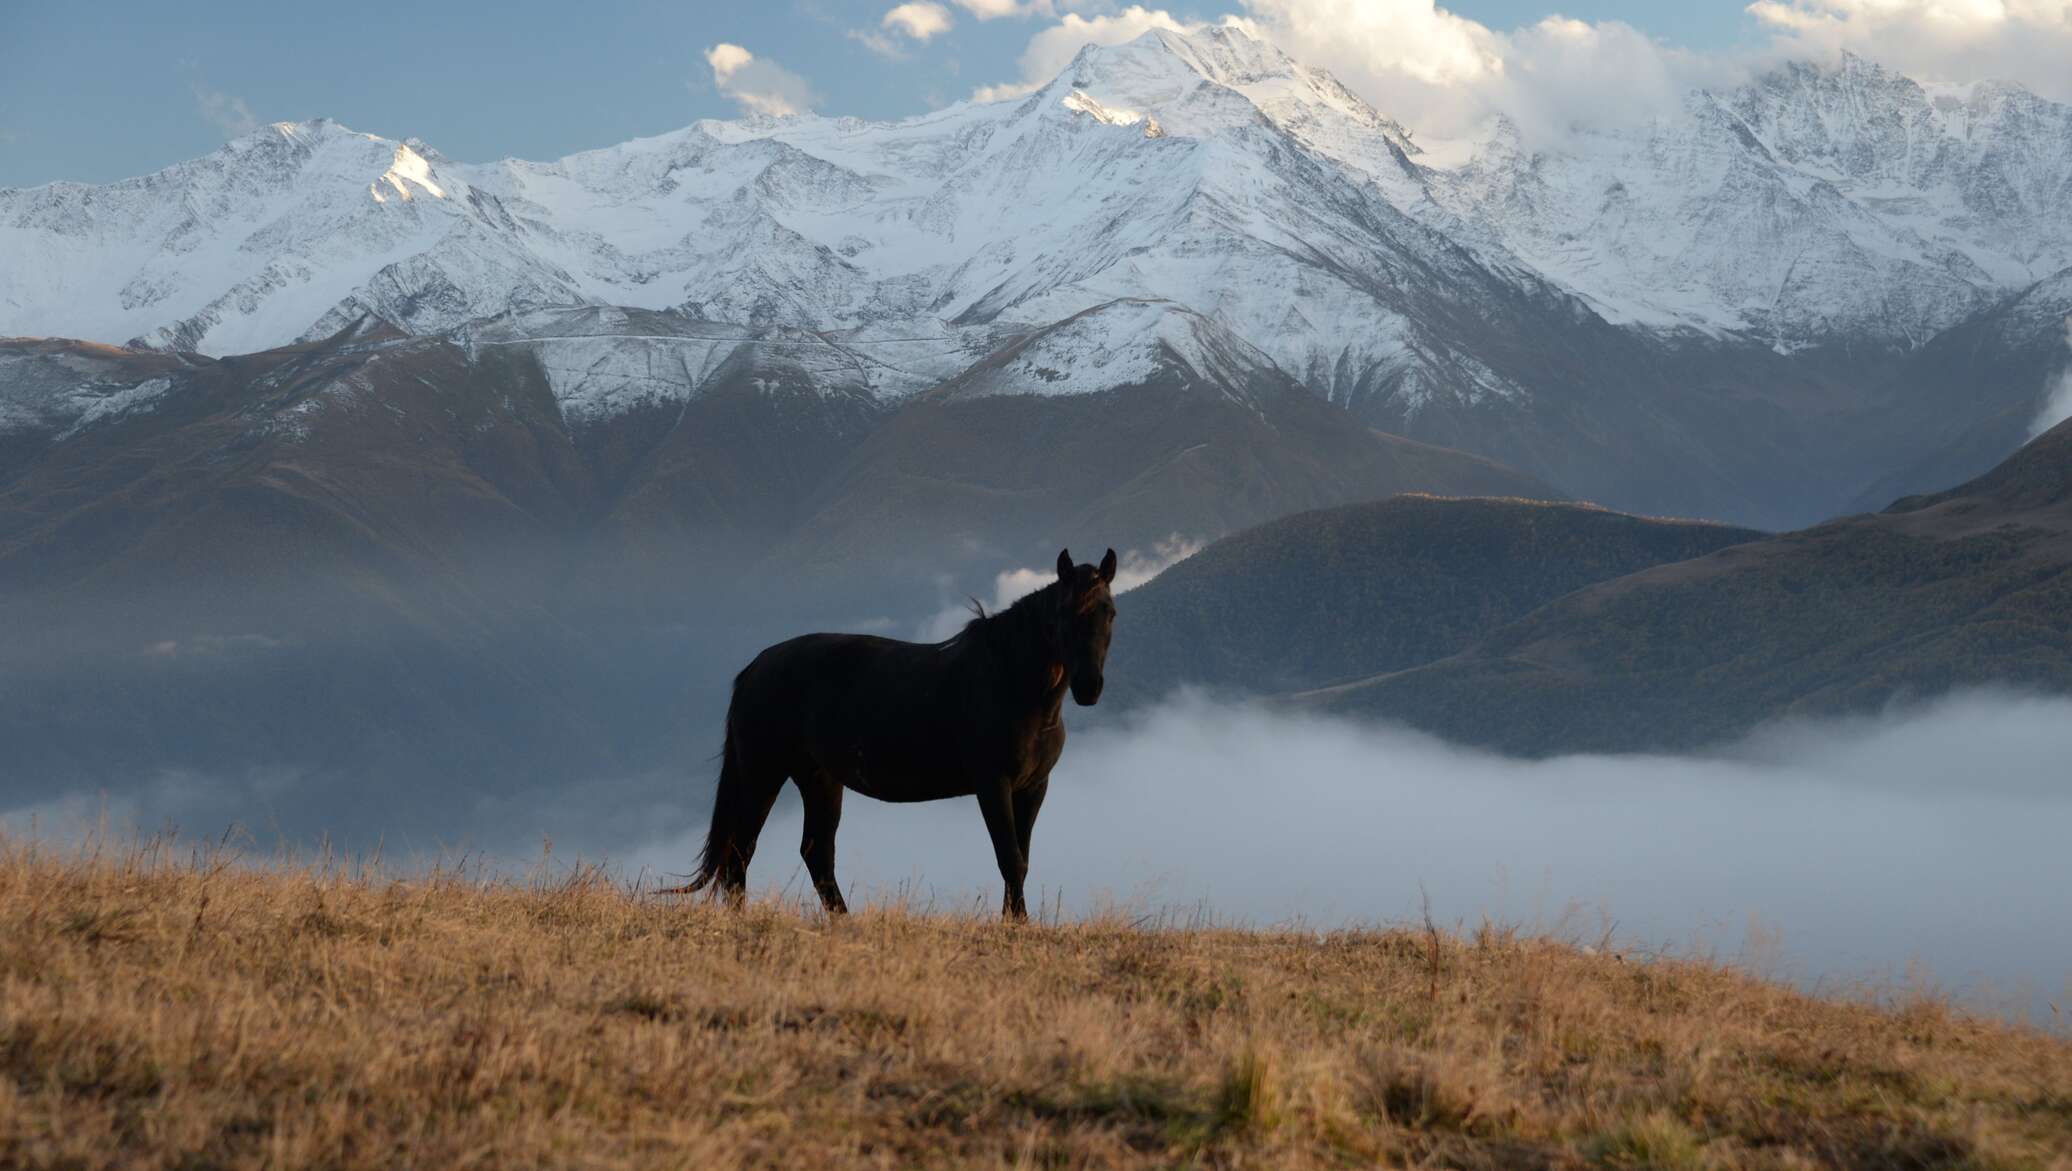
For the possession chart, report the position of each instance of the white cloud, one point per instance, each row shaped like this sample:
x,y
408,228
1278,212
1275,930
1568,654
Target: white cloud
x,y
1411,38
1050,50
1132,569
1436,69
1443,73
1429,67
757,84
1005,91
226,112
919,20
995,9
2028,41
1561,73
1849,842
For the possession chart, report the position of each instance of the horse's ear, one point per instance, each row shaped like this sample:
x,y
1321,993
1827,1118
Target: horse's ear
x,y
1108,567
1064,564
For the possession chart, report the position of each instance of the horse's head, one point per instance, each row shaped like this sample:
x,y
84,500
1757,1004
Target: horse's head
x,y
1086,621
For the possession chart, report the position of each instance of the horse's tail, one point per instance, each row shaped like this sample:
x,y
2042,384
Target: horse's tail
x,y
731,806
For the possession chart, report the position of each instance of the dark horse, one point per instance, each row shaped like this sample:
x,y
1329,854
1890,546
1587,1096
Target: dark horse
x,y
901,721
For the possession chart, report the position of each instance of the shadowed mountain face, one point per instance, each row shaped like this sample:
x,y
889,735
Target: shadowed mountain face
x,y
1207,436
1350,591
375,458
343,571
1967,587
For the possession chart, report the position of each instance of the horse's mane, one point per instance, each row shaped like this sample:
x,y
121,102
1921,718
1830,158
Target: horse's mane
x,y
991,628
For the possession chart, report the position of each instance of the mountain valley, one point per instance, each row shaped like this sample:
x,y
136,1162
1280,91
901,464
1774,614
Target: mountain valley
x,y
333,466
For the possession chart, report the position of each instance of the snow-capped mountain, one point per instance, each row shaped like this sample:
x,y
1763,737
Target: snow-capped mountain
x,y
1811,202
1168,169
1809,206
1541,303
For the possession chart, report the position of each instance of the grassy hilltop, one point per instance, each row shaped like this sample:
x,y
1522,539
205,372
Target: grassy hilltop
x,y
166,1013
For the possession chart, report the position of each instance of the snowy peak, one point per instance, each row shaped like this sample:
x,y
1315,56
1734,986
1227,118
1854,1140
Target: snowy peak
x,y
1163,73
1293,95
407,170
283,234
1815,204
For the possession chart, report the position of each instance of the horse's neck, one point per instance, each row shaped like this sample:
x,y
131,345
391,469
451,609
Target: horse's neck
x,y
1024,669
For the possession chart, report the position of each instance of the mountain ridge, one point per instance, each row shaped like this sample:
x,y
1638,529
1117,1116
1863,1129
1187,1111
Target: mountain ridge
x,y
1967,587
1336,594
1494,306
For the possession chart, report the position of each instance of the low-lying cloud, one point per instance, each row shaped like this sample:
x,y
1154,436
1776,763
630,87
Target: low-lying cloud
x,y
1133,568
1831,852
1836,851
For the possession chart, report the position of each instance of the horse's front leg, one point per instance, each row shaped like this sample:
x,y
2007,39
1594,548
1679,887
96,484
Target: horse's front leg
x,y
996,801
1028,802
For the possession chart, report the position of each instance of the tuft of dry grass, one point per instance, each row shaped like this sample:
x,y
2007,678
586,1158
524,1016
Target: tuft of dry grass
x,y
163,1012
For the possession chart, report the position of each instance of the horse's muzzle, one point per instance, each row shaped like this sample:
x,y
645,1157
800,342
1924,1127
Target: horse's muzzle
x,y
1087,694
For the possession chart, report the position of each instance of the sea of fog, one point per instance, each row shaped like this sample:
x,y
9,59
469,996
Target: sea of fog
x,y
1924,848
1920,850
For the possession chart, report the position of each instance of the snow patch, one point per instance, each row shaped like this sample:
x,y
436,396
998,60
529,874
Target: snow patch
x,y
66,392
1079,101
1120,344
95,403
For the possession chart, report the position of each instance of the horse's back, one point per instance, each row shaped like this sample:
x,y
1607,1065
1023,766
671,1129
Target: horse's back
x,y
851,704
818,675
819,658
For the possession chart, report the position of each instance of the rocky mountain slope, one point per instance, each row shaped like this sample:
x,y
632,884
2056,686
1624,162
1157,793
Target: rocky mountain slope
x,y
1967,587
1191,431
1345,592
1134,419
1710,314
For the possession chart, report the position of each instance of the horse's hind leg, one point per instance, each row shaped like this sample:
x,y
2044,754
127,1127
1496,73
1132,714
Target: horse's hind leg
x,y
748,826
822,795
747,790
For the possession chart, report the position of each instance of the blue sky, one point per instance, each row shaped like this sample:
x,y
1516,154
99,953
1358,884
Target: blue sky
x,y
99,91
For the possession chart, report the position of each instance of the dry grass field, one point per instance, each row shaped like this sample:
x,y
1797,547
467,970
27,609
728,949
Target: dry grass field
x,y
165,1011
